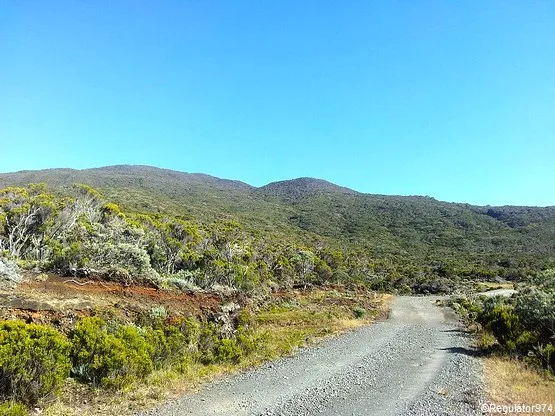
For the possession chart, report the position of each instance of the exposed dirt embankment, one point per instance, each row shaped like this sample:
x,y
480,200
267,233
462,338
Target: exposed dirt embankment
x,y
56,299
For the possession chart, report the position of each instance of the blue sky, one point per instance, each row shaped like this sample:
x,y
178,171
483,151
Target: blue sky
x,y
451,99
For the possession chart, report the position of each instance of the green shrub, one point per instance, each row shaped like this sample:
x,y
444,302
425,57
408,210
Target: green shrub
x,y
467,308
546,355
245,318
159,350
34,361
486,341
110,209
536,310
155,317
123,262
228,351
191,330
208,342
525,342
503,322
106,359
178,342
12,409
165,346
248,340
523,324
359,312
158,313
65,256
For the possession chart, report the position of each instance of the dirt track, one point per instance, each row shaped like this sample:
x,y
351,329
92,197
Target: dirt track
x,y
417,362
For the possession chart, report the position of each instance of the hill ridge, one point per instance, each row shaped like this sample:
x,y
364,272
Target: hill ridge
x,y
303,182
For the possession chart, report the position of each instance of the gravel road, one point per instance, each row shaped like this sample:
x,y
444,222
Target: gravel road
x,y
418,362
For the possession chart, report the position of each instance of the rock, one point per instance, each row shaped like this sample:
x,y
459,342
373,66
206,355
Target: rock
x,y
42,277
9,275
27,304
227,317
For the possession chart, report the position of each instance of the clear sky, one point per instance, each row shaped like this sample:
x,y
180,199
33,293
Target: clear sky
x,y
451,99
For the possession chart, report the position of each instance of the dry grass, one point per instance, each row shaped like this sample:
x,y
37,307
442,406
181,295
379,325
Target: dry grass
x,y
294,320
509,381
77,399
309,317
485,286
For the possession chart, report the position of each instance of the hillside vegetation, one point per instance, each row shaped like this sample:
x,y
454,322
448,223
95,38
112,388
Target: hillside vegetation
x,y
301,231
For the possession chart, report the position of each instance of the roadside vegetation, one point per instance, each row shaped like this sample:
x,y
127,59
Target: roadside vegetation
x,y
521,325
102,366
516,334
88,240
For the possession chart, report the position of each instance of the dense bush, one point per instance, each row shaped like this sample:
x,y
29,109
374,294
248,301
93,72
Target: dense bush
x,y
114,357
124,262
191,330
12,409
359,312
109,359
216,347
166,345
536,308
503,322
86,235
34,361
546,355
208,342
228,350
523,324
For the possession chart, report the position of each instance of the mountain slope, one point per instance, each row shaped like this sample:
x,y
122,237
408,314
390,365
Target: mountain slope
x,y
400,229
296,189
141,187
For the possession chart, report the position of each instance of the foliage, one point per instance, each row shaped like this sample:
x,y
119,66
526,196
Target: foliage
x,y
523,324
191,330
536,308
546,355
110,353
359,312
148,225
208,342
228,350
114,357
166,345
12,409
502,321
33,361
109,359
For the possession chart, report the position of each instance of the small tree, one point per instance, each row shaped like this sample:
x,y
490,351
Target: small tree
x,y
34,361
